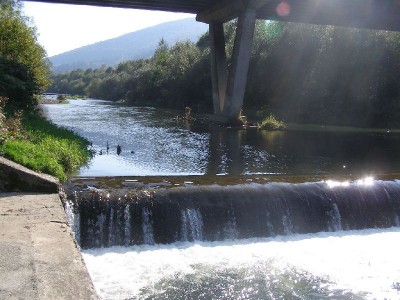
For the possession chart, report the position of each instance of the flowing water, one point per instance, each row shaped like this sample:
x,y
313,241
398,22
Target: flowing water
x,y
154,143
343,265
190,211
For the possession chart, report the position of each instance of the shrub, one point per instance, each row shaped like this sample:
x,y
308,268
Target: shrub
x,y
10,127
271,123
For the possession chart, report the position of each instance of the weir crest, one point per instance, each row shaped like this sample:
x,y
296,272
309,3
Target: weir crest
x,y
213,212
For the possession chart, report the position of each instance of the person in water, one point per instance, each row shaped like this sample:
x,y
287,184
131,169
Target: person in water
x,y
119,149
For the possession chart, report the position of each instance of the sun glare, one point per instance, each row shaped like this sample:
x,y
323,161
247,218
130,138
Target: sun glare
x,y
333,183
367,181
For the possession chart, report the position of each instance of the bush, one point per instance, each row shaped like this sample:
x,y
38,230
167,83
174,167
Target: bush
x,y
271,123
10,128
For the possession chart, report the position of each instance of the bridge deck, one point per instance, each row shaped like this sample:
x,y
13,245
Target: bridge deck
x,y
374,14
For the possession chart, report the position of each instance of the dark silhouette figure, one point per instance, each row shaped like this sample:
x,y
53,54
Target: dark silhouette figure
x,y
119,149
108,147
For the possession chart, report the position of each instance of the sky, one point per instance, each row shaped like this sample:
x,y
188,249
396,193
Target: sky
x,y
64,27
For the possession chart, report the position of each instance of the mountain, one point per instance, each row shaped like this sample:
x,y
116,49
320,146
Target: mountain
x,y
131,46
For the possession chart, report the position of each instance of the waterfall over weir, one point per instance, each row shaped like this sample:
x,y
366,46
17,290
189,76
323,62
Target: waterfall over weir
x,y
167,215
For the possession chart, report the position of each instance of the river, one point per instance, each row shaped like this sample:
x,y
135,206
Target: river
x,y
154,143
204,212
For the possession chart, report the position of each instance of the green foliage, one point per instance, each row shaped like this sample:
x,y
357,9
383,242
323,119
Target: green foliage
x,y
328,75
27,154
168,79
24,69
10,127
271,123
46,148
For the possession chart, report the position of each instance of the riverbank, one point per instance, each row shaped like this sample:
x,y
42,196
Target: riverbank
x,y
34,142
51,101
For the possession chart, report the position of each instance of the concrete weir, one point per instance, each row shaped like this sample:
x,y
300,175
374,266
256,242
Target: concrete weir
x,y
39,258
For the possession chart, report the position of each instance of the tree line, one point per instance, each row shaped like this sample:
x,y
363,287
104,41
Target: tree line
x,y
300,73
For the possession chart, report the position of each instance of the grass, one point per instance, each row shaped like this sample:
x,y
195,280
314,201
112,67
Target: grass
x,y
271,123
46,148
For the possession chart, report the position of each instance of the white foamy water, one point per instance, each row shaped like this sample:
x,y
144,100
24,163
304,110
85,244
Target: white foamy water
x,y
342,265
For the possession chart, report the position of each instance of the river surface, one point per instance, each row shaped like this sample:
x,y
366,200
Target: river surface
x,y
339,263
153,142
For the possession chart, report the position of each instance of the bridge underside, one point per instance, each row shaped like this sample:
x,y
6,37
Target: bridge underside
x,y
373,14
229,83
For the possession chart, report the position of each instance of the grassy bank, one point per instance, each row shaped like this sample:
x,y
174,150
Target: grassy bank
x,y
42,146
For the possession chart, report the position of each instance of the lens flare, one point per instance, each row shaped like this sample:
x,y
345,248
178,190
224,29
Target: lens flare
x,y
283,9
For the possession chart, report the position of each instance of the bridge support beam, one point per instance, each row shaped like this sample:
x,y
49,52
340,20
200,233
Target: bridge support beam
x,y
229,85
240,64
219,66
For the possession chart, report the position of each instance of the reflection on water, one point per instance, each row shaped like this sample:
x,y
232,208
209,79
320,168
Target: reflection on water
x,y
154,143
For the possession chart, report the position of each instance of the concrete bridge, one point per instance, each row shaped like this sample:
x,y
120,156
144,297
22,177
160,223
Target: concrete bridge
x,y
229,83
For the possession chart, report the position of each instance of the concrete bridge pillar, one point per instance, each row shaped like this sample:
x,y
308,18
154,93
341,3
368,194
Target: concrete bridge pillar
x,y
240,64
229,85
219,66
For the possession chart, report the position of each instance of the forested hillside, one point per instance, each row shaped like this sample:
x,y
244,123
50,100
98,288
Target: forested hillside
x,y
301,73
135,45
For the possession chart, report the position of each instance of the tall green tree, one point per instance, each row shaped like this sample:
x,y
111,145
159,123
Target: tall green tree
x,y
24,68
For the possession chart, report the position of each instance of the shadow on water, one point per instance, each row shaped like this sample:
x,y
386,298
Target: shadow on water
x,y
255,151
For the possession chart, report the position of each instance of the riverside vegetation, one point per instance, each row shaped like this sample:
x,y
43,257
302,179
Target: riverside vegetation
x,y
271,123
25,136
299,73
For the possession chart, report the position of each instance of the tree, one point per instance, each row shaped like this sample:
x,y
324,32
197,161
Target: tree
x,y
24,68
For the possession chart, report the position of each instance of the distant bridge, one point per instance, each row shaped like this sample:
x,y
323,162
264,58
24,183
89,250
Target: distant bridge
x,y
229,84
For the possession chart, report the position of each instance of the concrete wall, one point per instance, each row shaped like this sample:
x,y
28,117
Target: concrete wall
x,y
16,178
